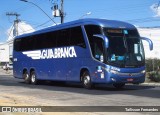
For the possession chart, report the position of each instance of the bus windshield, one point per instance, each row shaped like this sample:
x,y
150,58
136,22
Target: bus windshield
x,y
125,48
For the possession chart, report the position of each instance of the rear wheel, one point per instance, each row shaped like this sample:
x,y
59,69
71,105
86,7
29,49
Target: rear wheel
x,y
119,85
86,80
34,78
26,77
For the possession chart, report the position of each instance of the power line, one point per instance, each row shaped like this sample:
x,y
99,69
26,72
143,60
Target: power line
x,y
42,24
40,9
37,26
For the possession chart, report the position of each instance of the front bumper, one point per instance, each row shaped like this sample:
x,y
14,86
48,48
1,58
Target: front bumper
x,y
112,75
128,78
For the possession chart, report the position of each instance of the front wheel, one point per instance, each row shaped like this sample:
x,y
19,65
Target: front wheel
x,y
34,78
119,85
86,80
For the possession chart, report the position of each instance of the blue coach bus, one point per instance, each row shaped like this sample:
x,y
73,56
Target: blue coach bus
x,y
90,51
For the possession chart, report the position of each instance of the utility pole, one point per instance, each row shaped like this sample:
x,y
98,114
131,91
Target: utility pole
x,y
15,21
62,12
58,12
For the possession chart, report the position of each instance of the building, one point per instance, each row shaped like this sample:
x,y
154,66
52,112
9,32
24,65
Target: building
x,y
6,49
4,53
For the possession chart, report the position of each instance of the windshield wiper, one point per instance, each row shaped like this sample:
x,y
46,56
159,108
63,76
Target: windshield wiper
x,y
125,43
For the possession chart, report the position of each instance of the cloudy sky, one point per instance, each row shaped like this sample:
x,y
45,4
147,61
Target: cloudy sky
x,y
156,9
23,27
142,13
154,35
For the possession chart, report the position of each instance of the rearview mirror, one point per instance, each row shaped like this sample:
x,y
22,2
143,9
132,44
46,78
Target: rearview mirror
x,y
104,38
149,41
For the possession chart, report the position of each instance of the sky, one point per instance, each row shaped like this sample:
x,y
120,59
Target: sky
x,y
142,13
154,35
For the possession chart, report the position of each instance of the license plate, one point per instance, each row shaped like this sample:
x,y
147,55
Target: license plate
x,y
129,79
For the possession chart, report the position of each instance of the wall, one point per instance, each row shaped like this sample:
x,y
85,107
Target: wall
x,y
4,53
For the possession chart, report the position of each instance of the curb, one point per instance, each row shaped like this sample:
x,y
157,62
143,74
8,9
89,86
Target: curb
x,y
151,84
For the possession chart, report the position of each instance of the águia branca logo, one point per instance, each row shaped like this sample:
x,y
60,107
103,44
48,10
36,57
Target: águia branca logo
x,y
65,52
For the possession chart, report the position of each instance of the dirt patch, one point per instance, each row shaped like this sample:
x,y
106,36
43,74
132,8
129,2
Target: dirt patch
x,y
14,100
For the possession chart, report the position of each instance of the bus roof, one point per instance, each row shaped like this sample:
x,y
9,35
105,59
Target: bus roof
x,y
87,21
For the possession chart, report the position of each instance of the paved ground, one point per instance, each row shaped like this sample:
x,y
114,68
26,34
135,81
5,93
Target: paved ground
x,y
14,92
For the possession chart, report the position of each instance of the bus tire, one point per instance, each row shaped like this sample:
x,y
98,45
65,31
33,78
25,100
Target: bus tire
x,y
26,77
119,85
34,80
86,80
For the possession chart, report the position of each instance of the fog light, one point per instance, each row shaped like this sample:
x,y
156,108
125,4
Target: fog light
x,y
113,79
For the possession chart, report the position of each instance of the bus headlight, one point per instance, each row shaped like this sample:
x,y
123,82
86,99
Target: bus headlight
x,y
114,72
144,71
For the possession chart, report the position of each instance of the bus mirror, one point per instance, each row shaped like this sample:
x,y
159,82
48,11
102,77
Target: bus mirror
x,y
104,39
149,41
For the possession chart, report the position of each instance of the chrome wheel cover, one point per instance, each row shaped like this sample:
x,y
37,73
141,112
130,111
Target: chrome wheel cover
x,y
86,80
33,78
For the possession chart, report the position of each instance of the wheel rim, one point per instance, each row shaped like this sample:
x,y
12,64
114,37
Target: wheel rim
x,y
26,76
86,80
33,78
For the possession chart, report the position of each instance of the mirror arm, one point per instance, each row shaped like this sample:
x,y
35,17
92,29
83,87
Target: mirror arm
x,y
102,37
149,41
99,36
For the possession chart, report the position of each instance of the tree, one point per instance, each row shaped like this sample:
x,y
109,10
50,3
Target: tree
x,y
152,64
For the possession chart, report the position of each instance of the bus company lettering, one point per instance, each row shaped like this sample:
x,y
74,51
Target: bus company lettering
x,y
65,52
58,53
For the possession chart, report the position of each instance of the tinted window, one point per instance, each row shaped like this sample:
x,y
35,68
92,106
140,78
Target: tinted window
x,y
51,39
46,40
63,38
24,44
98,49
76,37
40,41
17,43
91,30
60,38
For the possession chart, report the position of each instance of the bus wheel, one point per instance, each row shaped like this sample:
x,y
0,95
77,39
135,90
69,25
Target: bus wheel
x,y
33,78
119,85
26,77
86,80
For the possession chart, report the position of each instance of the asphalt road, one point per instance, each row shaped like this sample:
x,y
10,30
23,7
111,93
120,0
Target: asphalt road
x,y
15,92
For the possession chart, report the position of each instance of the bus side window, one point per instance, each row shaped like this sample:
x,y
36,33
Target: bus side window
x,y
52,39
63,38
38,41
98,49
90,31
17,44
76,37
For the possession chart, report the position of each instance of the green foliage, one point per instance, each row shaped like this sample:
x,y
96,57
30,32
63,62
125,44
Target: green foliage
x,y
154,76
152,64
153,69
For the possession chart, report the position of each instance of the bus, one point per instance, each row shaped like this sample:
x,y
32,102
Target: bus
x,y
89,51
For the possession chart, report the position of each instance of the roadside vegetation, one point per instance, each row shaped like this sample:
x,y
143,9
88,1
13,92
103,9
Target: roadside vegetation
x,y
153,70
